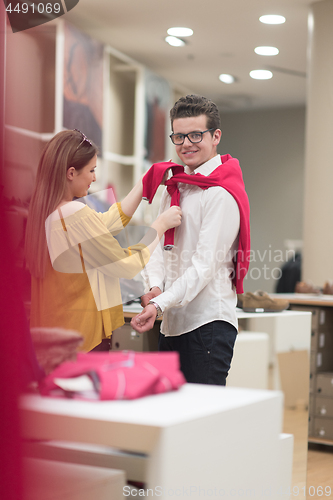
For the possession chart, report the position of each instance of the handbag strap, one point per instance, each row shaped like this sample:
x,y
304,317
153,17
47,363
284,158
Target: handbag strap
x,y
68,240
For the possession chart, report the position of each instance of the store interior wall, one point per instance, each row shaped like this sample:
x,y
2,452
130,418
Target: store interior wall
x,y
29,105
30,89
318,200
269,145
121,124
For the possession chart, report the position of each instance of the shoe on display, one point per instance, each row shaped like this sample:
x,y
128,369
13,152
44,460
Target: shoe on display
x,y
306,287
328,288
262,302
240,300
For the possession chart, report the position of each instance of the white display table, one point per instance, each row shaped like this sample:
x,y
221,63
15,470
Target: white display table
x,y
48,480
288,331
250,365
199,441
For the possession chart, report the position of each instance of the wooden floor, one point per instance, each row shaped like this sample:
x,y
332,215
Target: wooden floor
x,y
313,467
296,423
320,471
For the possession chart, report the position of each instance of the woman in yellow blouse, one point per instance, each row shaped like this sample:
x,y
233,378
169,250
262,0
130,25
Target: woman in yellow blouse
x,y
74,259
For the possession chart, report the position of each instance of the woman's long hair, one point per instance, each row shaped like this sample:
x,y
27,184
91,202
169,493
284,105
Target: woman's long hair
x,y
66,149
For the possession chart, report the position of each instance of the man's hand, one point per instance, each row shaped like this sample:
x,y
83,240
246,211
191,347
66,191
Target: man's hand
x,y
150,295
145,320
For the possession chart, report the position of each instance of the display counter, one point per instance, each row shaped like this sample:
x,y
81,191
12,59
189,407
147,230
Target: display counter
x,y
199,439
321,362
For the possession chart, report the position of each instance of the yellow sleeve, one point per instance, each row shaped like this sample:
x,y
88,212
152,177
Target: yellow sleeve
x,y
114,218
105,253
89,239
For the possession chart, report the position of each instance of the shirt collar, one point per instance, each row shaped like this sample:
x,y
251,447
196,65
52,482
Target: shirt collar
x,y
207,167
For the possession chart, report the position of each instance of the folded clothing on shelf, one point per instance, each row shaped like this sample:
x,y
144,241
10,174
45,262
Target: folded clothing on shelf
x,y
115,375
54,346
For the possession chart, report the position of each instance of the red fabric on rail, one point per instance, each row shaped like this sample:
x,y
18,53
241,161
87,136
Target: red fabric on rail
x,y
227,175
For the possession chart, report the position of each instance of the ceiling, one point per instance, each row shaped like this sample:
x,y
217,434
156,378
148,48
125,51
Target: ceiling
x,y
225,35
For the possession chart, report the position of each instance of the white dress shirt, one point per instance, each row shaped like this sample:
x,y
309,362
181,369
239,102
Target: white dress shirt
x,y
195,275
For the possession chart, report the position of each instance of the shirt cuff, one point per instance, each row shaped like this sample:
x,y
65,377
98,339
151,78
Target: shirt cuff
x,y
164,300
152,283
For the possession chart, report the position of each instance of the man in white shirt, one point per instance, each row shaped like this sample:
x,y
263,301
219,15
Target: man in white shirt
x,y
191,285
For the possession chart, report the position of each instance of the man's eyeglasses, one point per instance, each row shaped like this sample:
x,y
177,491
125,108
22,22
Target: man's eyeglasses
x,y
194,137
84,138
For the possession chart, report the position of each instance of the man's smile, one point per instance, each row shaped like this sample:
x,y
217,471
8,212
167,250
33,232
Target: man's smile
x,y
189,152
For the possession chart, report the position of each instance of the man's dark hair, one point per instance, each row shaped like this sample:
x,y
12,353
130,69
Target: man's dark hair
x,y
196,105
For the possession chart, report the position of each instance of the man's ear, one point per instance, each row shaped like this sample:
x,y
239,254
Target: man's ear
x,y
217,136
70,173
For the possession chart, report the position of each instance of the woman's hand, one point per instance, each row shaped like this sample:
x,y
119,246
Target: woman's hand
x,y
170,218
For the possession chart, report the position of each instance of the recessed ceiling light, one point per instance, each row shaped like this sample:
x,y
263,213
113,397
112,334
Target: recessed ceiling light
x,y
174,41
266,51
261,74
272,19
180,31
225,78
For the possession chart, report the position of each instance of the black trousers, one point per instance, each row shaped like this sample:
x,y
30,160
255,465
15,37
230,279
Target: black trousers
x,y
205,353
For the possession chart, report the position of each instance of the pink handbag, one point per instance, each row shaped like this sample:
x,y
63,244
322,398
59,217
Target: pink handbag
x,y
115,375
